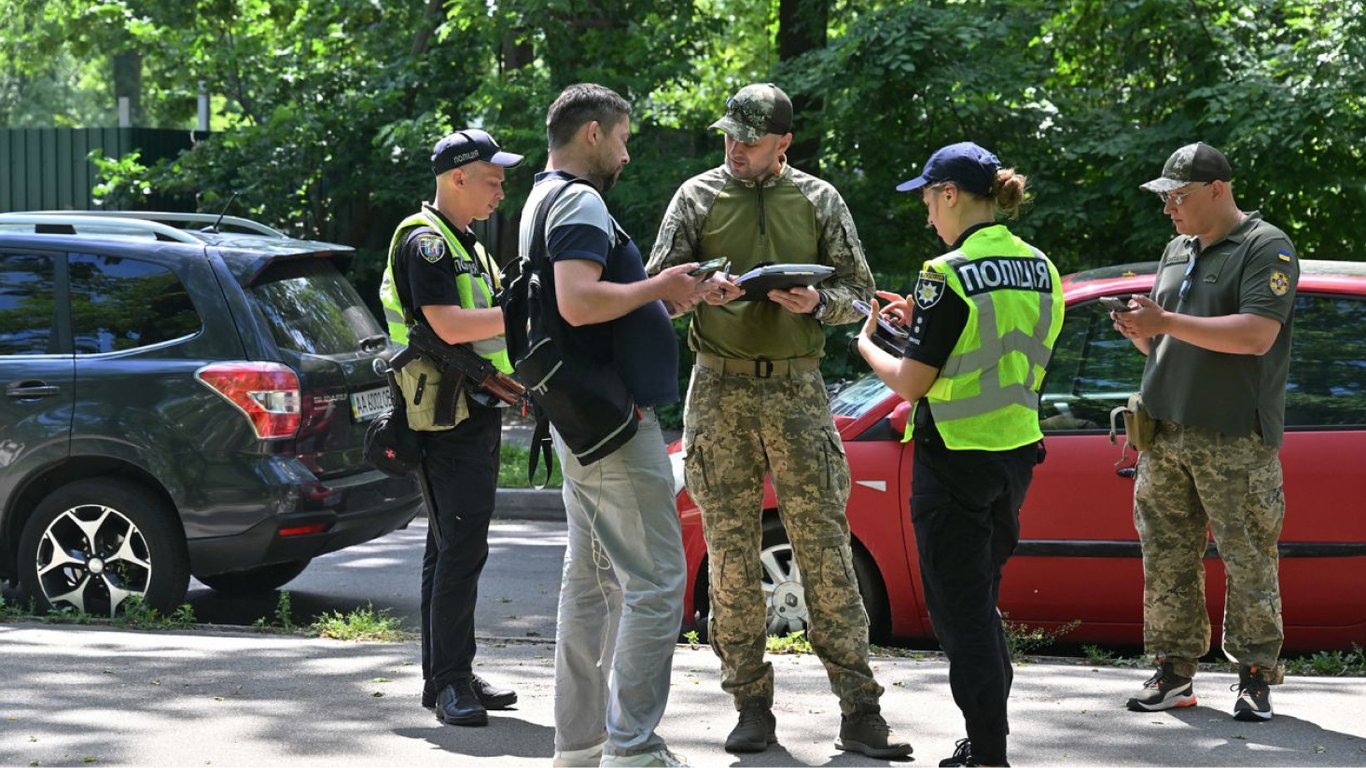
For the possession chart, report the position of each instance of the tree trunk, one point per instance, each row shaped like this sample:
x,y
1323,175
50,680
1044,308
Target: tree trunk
x,y
128,83
802,26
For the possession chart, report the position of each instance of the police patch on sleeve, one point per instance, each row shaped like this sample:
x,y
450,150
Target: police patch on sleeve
x,y
928,289
432,247
1279,283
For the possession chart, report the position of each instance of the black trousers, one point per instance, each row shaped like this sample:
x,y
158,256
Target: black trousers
x,y
462,469
965,506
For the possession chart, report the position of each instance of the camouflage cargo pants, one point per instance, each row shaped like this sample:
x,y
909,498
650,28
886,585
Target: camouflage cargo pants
x,y
1192,478
735,428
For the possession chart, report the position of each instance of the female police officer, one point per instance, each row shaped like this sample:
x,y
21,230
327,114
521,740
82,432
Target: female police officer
x,y
982,322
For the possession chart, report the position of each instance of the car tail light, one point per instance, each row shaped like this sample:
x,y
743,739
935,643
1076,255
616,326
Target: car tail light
x,y
266,393
303,530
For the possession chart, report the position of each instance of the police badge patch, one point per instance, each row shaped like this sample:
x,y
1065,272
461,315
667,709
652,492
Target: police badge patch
x,y
928,289
1279,283
432,247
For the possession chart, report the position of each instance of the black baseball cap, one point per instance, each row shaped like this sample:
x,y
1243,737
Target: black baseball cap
x,y
1191,163
461,147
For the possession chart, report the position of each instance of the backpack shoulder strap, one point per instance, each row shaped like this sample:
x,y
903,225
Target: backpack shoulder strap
x,y
541,445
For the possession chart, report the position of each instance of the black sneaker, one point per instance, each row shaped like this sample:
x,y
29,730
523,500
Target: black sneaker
x,y
1254,696
755,729
1164,690
962,755
868,732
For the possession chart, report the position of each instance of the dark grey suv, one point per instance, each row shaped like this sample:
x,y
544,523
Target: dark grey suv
x,y
182,395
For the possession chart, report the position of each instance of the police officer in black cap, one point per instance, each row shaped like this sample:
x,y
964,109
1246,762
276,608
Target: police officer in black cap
x,y
440,276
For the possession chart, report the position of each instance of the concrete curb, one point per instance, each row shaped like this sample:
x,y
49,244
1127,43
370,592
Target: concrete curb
x,y
528,504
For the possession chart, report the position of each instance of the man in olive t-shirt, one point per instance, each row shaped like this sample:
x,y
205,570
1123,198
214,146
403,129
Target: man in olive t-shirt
x,y
1216,330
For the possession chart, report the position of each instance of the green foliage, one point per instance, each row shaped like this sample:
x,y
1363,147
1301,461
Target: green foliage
x,y
693,638
362,624
1329,663
284,614
324,113
793,642
133,614
512,468
1023,639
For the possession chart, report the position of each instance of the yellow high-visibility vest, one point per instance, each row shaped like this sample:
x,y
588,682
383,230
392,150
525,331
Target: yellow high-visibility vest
x,y
476,281
987,394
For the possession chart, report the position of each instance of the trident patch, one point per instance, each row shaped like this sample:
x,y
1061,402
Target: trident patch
x,y
432,247
1279,283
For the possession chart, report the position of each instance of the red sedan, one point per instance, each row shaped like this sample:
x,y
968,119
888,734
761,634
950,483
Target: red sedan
x,y
1079,558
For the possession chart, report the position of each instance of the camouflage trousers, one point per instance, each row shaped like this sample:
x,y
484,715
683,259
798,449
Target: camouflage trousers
x,y
1192,479
735,428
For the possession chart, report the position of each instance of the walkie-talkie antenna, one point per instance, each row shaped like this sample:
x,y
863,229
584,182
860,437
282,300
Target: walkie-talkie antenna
x,y
223,213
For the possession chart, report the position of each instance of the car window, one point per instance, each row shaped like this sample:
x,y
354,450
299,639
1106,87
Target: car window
x,y
27,304
119,303
855,399
1093,369
1327,386
311,308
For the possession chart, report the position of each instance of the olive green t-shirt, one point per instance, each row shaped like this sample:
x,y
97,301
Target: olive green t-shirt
x,y
1253,270
790,217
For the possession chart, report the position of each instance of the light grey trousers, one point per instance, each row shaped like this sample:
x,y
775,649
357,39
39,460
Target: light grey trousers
x,y
621,597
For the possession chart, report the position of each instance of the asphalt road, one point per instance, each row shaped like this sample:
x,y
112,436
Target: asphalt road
x,y
518,590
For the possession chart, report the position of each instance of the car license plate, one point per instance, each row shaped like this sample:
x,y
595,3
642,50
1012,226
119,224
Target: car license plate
x,y
370,403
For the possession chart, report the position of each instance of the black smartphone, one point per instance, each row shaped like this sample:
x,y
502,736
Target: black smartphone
x,y
707,268
1116,303
896,331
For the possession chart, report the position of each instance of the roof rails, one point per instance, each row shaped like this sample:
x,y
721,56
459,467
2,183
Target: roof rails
x,y
50,224
138,222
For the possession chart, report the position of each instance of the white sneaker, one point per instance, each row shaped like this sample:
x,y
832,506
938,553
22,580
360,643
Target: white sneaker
x,y
587,757
659,757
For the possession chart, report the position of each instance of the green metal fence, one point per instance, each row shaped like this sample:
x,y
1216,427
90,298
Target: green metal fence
x,y
49,169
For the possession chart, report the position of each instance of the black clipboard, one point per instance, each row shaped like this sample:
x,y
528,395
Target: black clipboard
x,y
759,281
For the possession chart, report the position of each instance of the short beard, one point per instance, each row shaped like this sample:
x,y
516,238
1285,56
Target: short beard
x,y
605,181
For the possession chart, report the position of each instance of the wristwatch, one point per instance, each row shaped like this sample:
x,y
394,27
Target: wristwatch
x,y
819,311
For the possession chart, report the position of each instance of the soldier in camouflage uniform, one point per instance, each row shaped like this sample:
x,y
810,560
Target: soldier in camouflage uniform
x,y
757,402
1216,330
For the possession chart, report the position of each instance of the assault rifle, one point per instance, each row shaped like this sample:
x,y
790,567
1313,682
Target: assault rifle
x,y
458,359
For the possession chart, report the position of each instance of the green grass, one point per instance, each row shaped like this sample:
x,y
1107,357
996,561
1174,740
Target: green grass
x,y
1023,639
362,624
513,464
1329,664
135,615
795,642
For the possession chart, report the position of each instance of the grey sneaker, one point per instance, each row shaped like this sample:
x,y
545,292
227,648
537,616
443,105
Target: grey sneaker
x,y
1164,690
1254,696
868,732
756,729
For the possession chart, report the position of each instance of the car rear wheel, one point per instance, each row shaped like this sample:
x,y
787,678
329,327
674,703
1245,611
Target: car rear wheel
x,y
255,581
95,546
785,596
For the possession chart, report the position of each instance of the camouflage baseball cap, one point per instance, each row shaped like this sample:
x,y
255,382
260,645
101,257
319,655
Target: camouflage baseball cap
x,y
1191,163
754,111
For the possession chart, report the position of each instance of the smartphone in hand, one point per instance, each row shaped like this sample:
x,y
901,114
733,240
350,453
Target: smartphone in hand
x,y
896,331
1116,303
708,268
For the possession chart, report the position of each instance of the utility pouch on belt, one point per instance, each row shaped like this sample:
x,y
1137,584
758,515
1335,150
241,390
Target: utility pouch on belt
x,y
1139,427
434,404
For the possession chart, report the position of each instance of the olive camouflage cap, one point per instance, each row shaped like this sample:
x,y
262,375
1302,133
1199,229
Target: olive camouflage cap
x,y
755,110
1191,163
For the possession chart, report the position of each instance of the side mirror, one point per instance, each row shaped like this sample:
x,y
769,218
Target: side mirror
x,y
898,418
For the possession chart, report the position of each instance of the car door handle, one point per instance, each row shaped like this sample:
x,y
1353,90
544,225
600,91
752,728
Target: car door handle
x,y
1128,472
28,389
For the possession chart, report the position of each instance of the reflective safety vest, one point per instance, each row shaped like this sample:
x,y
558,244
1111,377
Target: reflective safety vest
x,y
986,396
475,280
